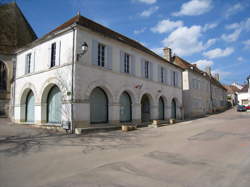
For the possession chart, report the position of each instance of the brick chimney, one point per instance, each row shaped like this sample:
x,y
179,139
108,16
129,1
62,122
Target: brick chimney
x,y
208,70
167,54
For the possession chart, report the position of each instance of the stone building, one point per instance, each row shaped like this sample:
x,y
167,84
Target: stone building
x,y
82,74
15,32
202,93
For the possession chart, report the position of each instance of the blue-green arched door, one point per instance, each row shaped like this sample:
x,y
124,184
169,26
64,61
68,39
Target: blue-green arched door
x,y
125,108
145,109
98,106
54,105
161,109
173,109
30,107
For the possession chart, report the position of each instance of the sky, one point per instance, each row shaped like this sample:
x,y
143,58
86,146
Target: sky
x,y
212,33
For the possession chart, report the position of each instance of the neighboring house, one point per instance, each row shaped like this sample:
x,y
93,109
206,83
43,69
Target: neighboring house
x,y
244,94
15,32
232,97
117,80
202,93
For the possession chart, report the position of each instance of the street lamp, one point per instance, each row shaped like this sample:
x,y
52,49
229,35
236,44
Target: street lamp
x,y
84,49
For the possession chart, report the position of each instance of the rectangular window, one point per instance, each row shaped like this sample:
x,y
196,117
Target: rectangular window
x,y
28,63
53,55
147,69
101,55
162,74
126,62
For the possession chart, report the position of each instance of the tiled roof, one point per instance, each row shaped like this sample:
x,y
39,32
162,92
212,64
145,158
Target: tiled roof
x,y
231,89
96,27
15,30
186,65
245,88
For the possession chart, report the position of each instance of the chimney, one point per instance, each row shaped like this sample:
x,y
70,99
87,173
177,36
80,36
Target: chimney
x,y
167,54
208,70
217,76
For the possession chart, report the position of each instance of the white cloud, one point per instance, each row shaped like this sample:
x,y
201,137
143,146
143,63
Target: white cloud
x,y
166,25
147,1
185,40
233,26
139,31
217,53
233,10
209,26
158,50
149,12
243,25
231,37
202,64
210,42
240,59
222,74
247,44
194,8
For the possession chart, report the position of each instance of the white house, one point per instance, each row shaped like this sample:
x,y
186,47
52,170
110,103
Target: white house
x,y
244,94
117,80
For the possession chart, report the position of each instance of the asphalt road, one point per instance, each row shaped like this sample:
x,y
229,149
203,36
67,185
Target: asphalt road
x,y
208,152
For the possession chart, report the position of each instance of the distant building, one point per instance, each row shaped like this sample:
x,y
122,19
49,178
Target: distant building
x,y
232,96
15,32
202,93
244,94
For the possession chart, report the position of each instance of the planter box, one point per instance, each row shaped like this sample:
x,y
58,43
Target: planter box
x,y
172,121
126,128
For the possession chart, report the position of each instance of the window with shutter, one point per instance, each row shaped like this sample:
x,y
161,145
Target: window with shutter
x,y
146,70
28,63
126,63
53,55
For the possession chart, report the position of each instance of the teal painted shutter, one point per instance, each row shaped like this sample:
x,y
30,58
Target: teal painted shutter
x,y
109,57
159,72
98,106
143,68
122,61
58,53
133,65
34,61
125,108
49,56
151,70
94,52
30,107
54,105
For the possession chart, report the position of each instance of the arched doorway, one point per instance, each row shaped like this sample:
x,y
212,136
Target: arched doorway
x,y
161,109
3,76
98,106
125,108
173,109
145,108
30,107
54,105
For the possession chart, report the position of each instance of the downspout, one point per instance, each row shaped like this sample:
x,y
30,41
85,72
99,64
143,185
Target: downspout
x,y
72,82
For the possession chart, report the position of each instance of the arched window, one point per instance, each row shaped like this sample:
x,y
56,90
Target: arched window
x,y
54,105
3,76
161,109
145,108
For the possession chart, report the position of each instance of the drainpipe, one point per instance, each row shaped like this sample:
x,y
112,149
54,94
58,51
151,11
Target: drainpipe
x,y
72,82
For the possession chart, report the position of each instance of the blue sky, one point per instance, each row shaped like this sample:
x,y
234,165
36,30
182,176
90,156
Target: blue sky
x,y
205,32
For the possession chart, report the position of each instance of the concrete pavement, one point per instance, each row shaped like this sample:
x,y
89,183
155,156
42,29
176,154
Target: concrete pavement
x,y
212,151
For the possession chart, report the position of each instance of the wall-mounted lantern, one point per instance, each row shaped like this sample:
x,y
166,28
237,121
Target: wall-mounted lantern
x,y
84,49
